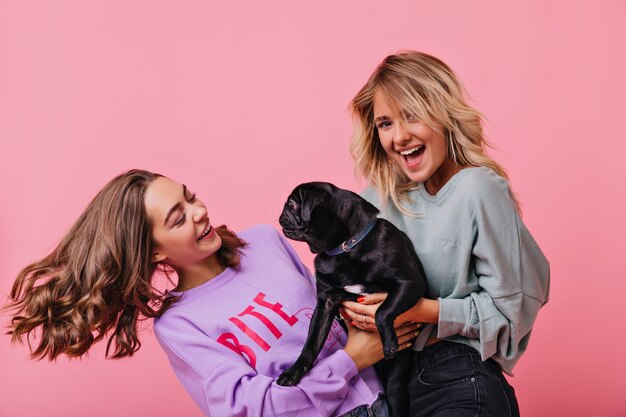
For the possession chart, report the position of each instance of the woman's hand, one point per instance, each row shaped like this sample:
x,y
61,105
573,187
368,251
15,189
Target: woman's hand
x,y
365,347
362,313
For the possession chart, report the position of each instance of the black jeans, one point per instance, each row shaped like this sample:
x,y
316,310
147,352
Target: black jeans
x,y
377,409
450,380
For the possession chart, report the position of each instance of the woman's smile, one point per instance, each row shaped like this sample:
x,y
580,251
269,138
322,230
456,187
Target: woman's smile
x,y
413,156
208,231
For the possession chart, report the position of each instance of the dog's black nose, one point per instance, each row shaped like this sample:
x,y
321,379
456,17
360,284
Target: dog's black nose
x,y
283,219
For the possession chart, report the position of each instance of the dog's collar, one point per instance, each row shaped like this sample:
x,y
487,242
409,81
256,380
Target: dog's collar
x,y
349,244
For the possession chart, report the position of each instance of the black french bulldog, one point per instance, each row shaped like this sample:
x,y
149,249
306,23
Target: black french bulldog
x,y
356,253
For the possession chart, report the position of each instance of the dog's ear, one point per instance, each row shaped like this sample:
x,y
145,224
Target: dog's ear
x,y
326,230
320,215
310,198
306,209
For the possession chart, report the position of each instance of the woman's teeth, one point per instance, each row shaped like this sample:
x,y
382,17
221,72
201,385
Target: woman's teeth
x,y
410,151
206,232
412,156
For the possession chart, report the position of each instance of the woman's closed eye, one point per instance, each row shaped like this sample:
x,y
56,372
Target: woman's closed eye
x,y
181,220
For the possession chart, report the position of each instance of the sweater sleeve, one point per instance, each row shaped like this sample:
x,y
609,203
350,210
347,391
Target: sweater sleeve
x,y
295,259
513,277
224,383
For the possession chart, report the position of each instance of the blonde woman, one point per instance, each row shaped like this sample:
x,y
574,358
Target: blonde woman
x,y
422,150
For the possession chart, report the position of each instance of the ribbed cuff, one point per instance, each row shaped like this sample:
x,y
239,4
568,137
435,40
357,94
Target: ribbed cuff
x,y
342,363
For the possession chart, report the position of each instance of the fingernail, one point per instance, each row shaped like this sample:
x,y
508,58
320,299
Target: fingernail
x,y
352,323
408,345
416,333
360,299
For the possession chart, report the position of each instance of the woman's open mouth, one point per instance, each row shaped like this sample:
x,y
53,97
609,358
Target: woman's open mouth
x,y
412,156
206,231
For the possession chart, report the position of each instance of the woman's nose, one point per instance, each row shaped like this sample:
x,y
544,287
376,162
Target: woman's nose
x,y
199,213
401,133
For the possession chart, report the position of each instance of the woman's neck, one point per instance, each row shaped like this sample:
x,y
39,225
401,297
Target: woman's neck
x,y
197,274
436,181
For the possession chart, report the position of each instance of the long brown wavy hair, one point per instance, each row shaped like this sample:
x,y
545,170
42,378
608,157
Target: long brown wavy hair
x,y
98,281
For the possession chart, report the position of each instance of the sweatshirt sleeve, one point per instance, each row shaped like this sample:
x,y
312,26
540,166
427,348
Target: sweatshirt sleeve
x,y
224,384
295,259
513,277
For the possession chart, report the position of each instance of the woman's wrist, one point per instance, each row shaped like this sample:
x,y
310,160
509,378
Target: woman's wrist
x,y
425,311
357,358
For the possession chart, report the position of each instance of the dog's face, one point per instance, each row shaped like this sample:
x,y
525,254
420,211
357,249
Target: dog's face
x,y
319,214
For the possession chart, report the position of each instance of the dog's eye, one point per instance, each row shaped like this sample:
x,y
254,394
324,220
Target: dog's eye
x,y
292,205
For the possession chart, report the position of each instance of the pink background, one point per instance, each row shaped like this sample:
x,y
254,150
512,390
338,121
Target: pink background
x,y
244,101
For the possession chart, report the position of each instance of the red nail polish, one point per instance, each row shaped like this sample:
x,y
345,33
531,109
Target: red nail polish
x,y
360,299
352,324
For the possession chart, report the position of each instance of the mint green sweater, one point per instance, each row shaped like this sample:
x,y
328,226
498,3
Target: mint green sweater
x,y
481,262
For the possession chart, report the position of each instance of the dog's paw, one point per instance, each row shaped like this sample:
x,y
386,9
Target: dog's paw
x,y
291,376
390,351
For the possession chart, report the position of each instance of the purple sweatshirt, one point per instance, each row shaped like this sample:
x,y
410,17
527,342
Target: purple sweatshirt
x,y
230,338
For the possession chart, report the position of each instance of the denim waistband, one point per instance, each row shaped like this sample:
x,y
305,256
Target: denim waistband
x,y
442,350
377,409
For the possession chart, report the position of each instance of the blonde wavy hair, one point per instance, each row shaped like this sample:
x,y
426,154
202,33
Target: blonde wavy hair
x,y
425,87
